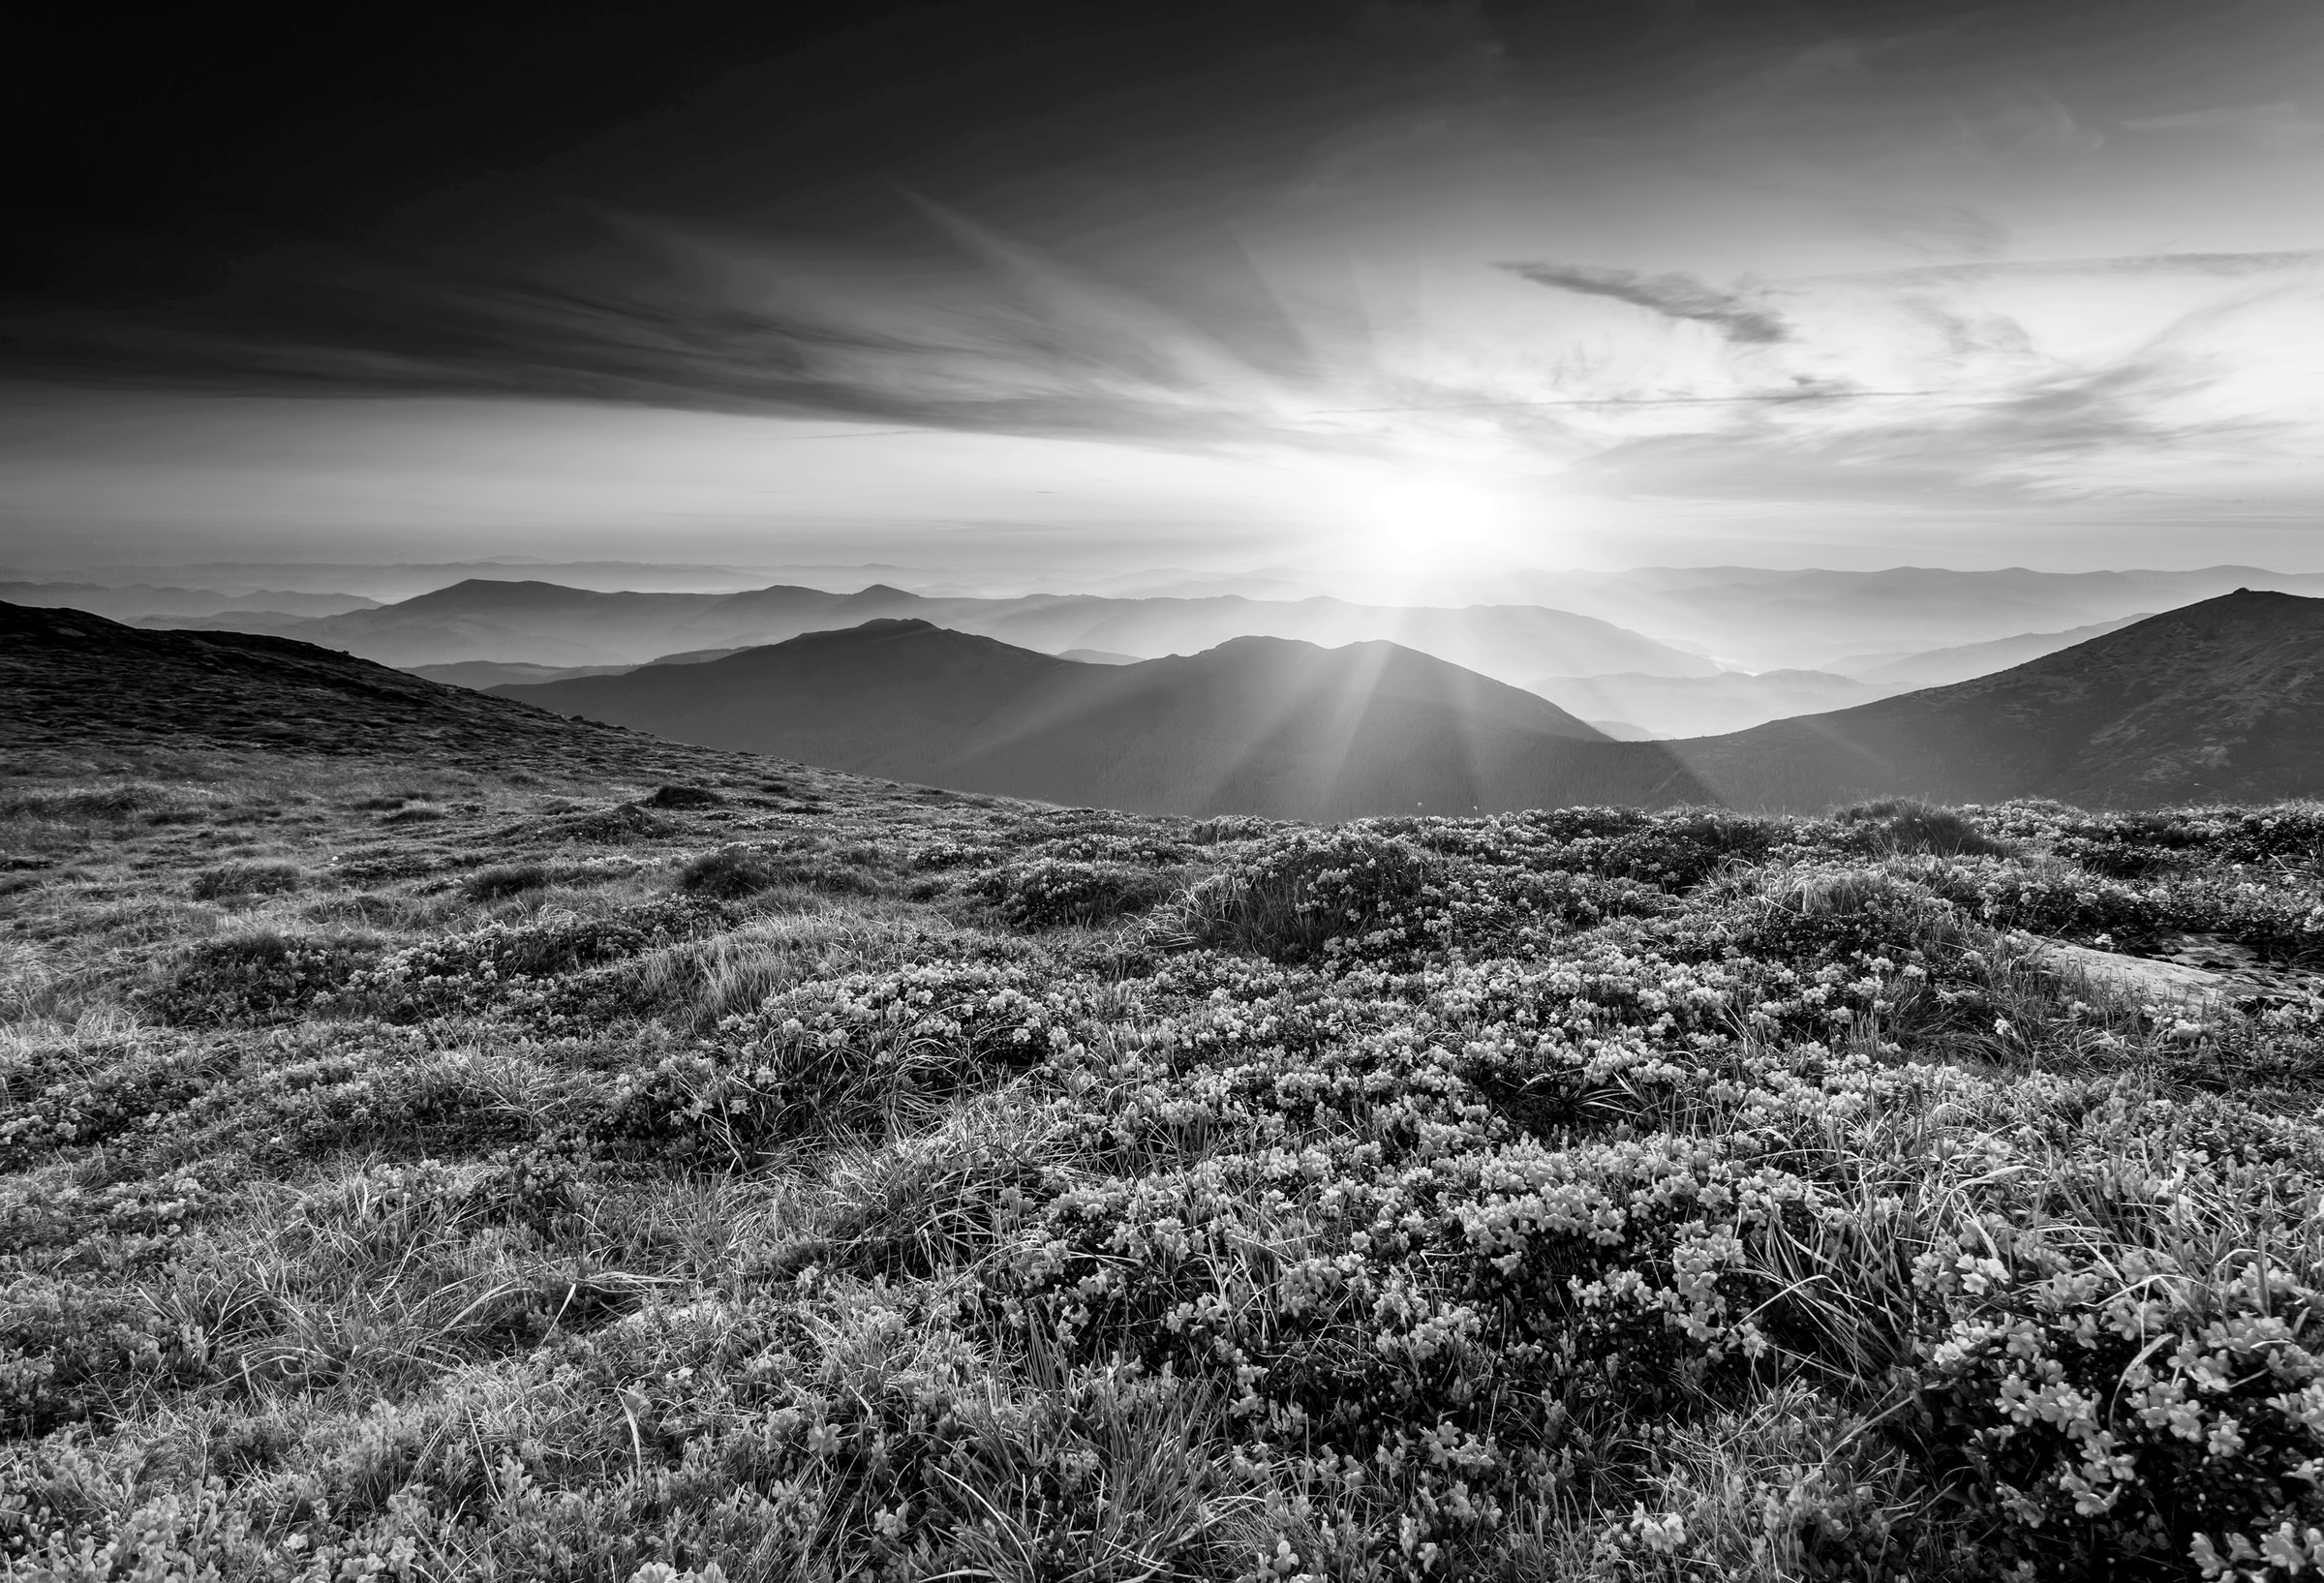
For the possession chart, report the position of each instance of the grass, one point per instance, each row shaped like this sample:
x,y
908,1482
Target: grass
x,y
728,1173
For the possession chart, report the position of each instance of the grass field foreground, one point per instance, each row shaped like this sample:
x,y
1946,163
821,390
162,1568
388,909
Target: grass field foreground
x,y
775,1175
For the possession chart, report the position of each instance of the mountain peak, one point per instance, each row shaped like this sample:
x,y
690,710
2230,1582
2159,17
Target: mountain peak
x,y
495,592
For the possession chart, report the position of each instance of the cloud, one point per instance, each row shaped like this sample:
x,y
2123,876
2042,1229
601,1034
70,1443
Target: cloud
x,y
972,332
1673,295
2280,125
2216,264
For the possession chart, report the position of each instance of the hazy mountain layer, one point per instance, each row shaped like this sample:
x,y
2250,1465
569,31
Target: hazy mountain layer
x,y
481,674
2222,700
1703,706
1254,725
122,603
1763,618
544,623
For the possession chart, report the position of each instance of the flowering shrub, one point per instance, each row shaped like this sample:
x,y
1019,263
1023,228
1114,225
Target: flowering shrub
x,y
504,961
839,1054
67,1350
259,977
1299,890
1049,891
2130,1407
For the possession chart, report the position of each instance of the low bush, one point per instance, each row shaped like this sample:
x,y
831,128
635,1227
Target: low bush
x,y
682,797
1231,827
612,827
1903,824
1299,892
513,963
1050,892
733,873
237,879
504,880
261,976
842,1056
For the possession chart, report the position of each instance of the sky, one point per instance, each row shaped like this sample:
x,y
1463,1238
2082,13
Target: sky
x,y
1388,292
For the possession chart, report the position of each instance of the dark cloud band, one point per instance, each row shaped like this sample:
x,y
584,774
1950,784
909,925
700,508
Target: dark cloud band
x,y
1673,295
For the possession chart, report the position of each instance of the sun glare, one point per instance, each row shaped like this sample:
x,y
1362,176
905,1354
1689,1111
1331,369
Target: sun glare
x,y
1425,512
1410,528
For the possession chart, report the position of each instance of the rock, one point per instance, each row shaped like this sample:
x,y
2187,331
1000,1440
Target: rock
x,y
2141,977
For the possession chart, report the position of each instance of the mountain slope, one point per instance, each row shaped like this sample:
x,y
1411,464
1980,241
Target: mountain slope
x,y
1941,667
73,680
2218,700
1257,725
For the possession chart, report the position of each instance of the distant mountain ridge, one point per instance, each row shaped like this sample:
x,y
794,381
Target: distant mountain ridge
x,y
143,599
1671,707
546,623
1763,618
2220,701
1256,724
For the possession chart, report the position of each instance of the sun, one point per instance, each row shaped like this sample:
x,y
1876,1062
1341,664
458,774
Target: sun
x,y
1409,529
1433,513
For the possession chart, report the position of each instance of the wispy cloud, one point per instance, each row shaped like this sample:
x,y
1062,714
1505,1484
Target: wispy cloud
x,y
2225,265
1673,295
2279,125
985,334
1977,385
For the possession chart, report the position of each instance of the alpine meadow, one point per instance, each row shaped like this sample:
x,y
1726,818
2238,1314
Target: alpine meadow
x,y
1002,791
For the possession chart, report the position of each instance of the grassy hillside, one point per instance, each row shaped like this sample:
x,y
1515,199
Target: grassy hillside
x,y
2217,701
686,1166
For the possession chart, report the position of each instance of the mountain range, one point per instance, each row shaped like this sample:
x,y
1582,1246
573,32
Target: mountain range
x,y
546,623
140,599
2222,700
1253,725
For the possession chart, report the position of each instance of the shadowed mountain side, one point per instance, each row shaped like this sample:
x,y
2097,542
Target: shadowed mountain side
x,y
2221,701
1256,725
1941,667
75,680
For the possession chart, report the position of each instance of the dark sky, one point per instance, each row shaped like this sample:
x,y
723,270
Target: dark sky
x,y
1548,278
